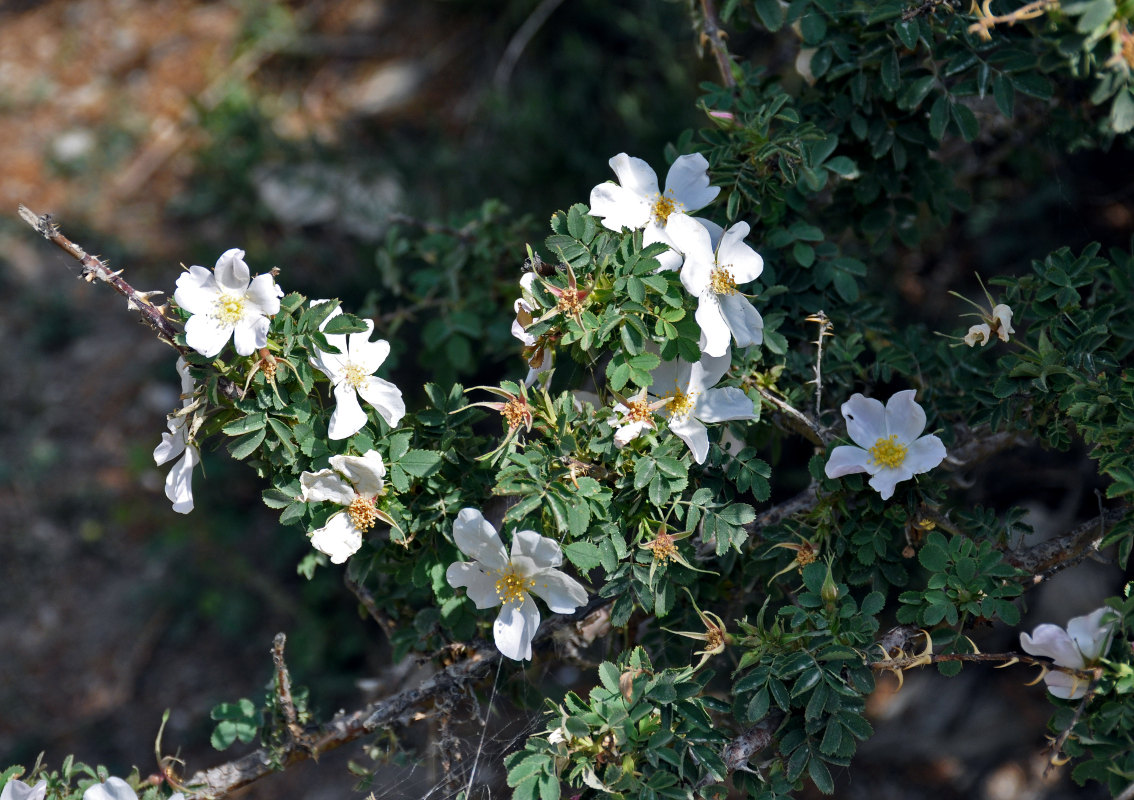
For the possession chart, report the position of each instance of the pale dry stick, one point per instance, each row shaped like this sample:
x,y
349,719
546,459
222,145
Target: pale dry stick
x,y
520,40
987,20
825,329
283,687
403,708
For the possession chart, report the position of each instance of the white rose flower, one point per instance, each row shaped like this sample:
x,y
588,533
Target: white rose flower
x,y
692,402
18,790
635,201
978,334
493,578
1002,321
1085,641
225,304
351,372
179,481
889,447
711,273
353,482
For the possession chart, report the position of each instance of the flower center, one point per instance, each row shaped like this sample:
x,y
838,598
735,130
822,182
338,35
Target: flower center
x,y
515,412
721,281
805,555
571,302
680,403
639,411
663,547
363,513
355,375
229,308
888,453
512,588
664,206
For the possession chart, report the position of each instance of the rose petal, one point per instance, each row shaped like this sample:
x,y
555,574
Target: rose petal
x,y
514,629
866,420
477,539
339,539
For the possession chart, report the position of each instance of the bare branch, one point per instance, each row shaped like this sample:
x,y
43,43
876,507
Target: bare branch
x,y
1045,559
94,267
797,420
283,686
712,35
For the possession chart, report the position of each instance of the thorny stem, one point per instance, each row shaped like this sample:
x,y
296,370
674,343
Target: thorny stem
x,y
95,267
797,419
825,329
713,35
1057,745
283,686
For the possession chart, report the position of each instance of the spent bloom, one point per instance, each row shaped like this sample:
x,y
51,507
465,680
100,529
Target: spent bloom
x,y
536,350
691,400
18,790
226,303
353,482
179,481
351,372
493,578
998,322
636,202
636,416
890,445
1083,643
711,272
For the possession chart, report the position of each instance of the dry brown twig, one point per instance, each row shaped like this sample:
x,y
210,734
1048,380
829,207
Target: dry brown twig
x,y
713,35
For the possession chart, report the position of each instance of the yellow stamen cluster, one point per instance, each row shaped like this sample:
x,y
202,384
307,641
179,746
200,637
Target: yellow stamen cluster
x,y
721,281
663,546
887,452
229,309
355,375
268,365
571,302
363,513
663,206
806,554
516,412
638,411
679,403
512,588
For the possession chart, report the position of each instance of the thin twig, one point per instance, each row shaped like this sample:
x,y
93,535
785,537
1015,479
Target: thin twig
x,y
94,267
1046,558
283,686
986,20
366,598
712,34
1057,745
799,421
520,40
825,329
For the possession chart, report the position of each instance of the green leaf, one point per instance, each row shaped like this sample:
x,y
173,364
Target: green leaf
x,y
966,121
933,558
344,323
820,776
891,77
771,14
246,445
609,675
938,117
907,32
584,555
1096,14
252,422
420,463
1004,94
1122,112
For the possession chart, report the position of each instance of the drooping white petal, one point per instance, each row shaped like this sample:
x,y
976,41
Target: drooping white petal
x,y
720,405
715,334
179,481
206,334
231,272
514,629
743,320
884,481
688,181
1067,687
543,552
630,431
694,434
386,399
339,539
1002,314
707,372
924,454
172,445
847,460
113,789
978,334
1090,635
18,790
1053,642
326,486
348,417
695,242
250,334
477,539
364,472
866,420
562,593
479,586
366,354
904,417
